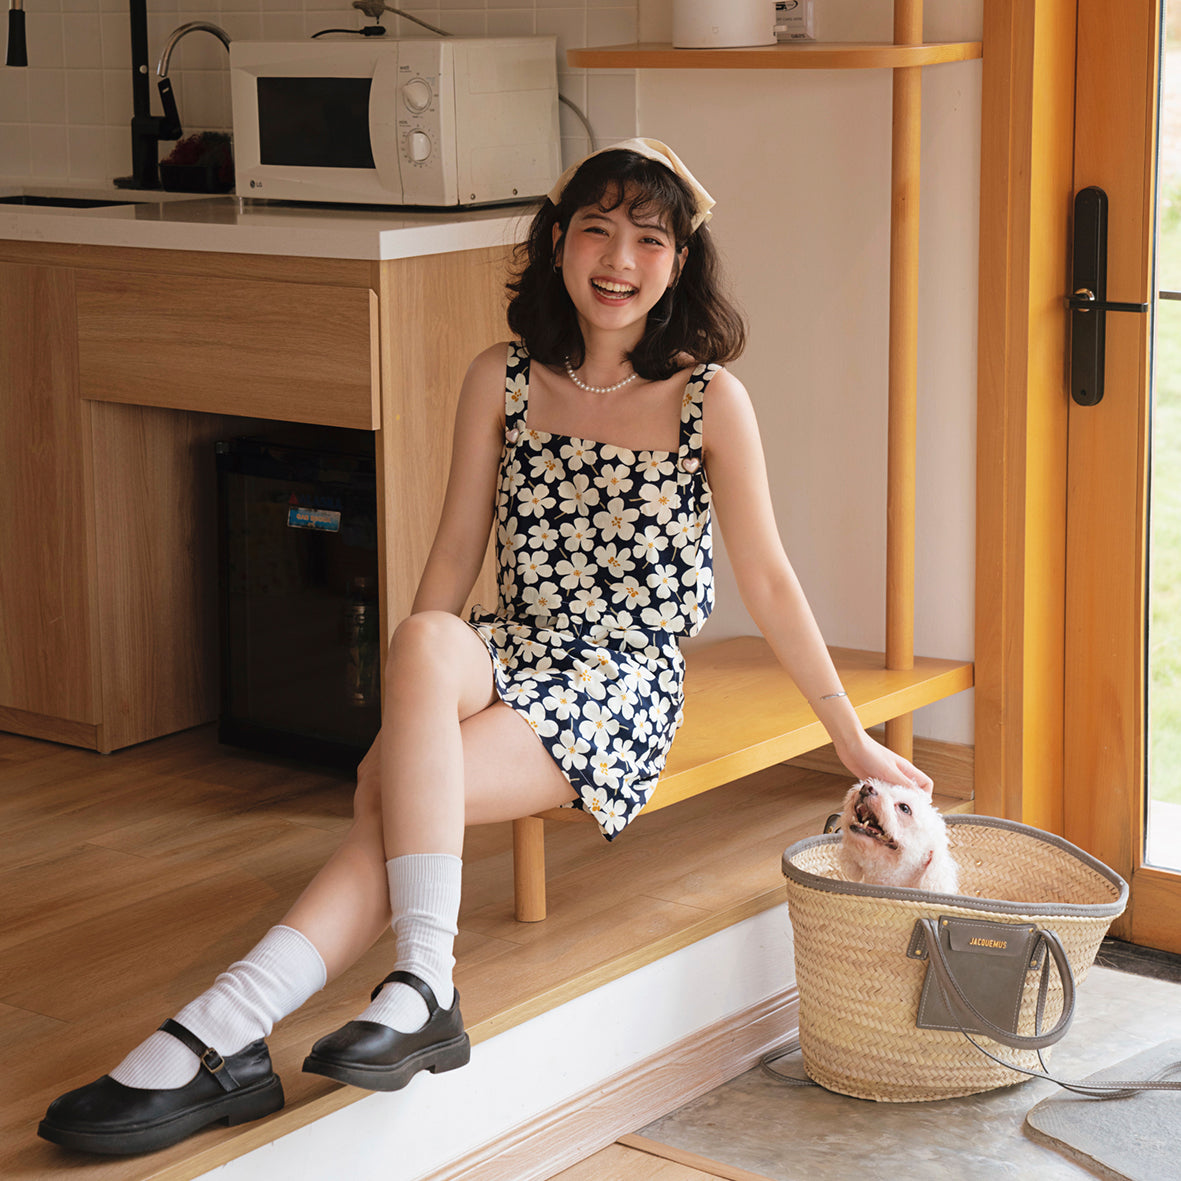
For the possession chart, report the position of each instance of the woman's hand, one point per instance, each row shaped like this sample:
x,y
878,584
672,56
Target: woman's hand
x,y
867,759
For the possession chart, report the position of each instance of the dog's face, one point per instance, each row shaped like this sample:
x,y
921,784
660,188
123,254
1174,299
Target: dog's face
x,y
892,835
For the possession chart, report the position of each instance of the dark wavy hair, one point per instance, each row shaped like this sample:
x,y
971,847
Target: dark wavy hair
x,y
693,316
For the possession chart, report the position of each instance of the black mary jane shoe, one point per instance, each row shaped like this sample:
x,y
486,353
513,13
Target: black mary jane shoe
x,y
108,1117
374,1056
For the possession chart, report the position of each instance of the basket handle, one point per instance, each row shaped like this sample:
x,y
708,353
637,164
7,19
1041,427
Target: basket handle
x,y
967,1014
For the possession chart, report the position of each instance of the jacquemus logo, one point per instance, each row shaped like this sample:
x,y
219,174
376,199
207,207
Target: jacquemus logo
x,y
1000,944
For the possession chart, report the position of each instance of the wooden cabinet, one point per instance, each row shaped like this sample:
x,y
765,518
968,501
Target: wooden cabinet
x,y
118,370
47,625
301,352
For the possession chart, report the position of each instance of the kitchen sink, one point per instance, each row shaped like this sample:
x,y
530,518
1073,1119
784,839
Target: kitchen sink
x,y
62,202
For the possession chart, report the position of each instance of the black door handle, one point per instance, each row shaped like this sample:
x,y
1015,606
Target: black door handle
x,y
1089,304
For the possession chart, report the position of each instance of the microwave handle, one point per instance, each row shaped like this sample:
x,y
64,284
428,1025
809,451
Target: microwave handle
x,y
383,122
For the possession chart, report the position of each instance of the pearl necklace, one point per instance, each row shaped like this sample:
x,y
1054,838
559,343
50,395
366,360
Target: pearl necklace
x,y
596,389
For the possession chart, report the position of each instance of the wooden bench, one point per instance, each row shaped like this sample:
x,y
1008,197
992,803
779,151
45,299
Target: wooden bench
x,y
743,713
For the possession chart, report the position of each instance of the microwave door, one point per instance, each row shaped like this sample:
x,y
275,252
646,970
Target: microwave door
x,y
383,123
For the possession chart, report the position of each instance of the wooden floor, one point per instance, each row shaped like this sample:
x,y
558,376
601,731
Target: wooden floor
x,y
129,880
634,1158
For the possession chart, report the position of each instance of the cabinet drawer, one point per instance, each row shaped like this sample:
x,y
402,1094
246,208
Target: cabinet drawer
x,y
293,351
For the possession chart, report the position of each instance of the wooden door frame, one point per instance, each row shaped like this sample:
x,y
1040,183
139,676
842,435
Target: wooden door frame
x,y
1060,660
1026,167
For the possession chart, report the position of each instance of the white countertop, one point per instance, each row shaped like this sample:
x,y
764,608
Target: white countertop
x,y
184,221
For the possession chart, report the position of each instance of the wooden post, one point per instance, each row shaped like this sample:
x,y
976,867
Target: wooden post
x,y
903,361
529,868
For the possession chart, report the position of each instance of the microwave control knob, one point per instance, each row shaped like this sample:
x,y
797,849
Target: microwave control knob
x,y
417,95
418,144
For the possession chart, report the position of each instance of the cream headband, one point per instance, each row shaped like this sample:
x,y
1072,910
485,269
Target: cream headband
x,y
653,149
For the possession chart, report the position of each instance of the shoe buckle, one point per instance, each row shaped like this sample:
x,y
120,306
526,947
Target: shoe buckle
x,y
212,1060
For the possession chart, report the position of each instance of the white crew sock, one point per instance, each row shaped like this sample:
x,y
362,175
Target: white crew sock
x,y
281,972
424,898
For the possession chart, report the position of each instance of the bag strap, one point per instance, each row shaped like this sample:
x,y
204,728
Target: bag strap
x,y
965,1013
959,1006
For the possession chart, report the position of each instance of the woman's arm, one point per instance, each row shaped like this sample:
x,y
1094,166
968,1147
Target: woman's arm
x,y
737,475
461,538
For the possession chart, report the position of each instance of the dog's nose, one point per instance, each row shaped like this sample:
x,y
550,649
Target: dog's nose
x,y
867,790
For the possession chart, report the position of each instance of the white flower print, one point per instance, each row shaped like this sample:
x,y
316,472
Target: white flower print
x,y
612,816
616,520
663,580
589,603
573,751
533,501
654,464
561,701
630,591
578,571
623,697
651,543
589,679
533,567
576,452
594,800
543,599
615,561
514,480
659,500
578,534
543,536
539,719
546,466
616,478
521,693
684,529
602,767
662,617
601,551
577,495
612,452
515,392
598,724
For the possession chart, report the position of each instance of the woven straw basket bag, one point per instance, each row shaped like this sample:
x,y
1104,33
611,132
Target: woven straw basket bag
x,y
860,991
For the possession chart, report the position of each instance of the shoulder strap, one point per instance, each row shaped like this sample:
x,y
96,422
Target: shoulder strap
x,y
516,388
690,441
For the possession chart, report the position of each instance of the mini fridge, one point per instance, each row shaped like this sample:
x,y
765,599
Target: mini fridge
x,y
300,637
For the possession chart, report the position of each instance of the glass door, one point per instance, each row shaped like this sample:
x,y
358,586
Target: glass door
x,y
1163,813
1122,678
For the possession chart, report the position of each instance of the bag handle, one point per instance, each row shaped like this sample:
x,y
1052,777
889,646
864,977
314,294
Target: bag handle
x,y
967,1014
960,1006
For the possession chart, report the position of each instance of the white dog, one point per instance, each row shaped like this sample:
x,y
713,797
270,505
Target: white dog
x,y
894,836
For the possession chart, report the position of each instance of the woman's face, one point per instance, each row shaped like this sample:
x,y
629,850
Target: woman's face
x,y
616,269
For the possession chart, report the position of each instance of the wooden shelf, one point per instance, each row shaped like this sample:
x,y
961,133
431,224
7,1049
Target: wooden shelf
x,y
815,55
760,718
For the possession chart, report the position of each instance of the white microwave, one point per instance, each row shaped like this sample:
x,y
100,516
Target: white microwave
x,y
422,121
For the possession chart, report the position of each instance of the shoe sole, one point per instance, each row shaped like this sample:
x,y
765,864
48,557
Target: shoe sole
x,y
237,1107
438,1058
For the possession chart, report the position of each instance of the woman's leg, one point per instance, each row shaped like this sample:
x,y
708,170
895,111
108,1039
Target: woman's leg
x,y
438,683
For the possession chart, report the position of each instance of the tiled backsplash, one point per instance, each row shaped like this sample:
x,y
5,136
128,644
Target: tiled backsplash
x,y
67,116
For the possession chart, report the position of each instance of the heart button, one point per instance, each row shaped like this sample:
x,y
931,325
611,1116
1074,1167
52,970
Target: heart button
x,y
691,464
511,435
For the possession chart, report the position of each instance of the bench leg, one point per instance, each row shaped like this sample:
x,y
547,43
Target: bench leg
x,y
529,868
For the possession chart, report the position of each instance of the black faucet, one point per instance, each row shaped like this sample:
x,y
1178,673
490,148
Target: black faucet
x,y
17,53
147,130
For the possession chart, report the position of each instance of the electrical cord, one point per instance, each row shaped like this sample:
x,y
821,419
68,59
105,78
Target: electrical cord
x,y
590,135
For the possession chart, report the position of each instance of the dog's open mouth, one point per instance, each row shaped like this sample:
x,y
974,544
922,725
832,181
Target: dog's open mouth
x,y
866,824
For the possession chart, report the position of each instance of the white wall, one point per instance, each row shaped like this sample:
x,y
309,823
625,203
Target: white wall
x,y
799,163
67,116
